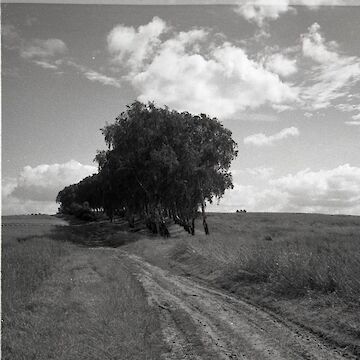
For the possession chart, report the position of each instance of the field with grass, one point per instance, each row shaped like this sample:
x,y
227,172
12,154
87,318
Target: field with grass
x,y
98,291
305,267
65,301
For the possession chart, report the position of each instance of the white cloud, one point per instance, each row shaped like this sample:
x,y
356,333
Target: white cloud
x,y
94,75
281,65
220,79
250,198
103,79
38,49
314,4
314,46
15,206
259,10
262,139
38,186
353,123
333,74
333,191
134,46
46,65
8,185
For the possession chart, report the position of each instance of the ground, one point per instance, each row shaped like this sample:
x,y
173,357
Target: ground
x,y
102,293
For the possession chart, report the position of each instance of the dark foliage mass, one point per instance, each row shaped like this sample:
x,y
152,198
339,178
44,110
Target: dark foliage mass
x,y
159,164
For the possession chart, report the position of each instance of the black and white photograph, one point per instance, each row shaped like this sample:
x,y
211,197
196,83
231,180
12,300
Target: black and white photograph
x,y
180,179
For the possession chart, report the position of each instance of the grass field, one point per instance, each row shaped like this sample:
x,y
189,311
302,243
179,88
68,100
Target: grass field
x,y
64,292
65,301
304,266
295,253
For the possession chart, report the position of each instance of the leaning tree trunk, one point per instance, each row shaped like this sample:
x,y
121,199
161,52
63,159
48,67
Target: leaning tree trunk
x,y
206,228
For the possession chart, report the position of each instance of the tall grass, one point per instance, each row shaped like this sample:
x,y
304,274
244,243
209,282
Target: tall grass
x,y
25,265
294,253
296,267
62,301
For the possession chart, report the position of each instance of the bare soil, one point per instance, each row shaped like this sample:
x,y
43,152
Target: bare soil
x,y
200,322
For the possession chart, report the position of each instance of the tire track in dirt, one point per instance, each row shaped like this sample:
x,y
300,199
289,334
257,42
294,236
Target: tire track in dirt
x,y
199,322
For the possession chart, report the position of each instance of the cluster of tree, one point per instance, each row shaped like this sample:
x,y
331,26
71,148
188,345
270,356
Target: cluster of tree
x,y
159,164
82,199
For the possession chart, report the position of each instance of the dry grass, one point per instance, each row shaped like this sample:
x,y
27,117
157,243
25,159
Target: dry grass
x,y
309,271
61,301
305,253
25,265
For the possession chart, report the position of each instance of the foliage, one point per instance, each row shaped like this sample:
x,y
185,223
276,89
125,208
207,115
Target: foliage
x,y
159,163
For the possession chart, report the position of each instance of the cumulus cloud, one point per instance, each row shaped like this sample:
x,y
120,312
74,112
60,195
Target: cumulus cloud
x,y
39,186
281,65
258,11
332,191
127,44
261,139
335,190
333,72
314,46
222,78
251,198
15,206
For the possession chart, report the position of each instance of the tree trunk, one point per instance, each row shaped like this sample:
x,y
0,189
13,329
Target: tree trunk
x,y
158,218
206,228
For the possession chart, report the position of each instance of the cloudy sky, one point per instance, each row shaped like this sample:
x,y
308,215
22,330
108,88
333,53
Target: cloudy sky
x,y
285,79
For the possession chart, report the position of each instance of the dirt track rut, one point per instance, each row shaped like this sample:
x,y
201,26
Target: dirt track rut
x,y
199,322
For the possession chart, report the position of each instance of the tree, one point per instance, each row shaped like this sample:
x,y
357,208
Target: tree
x,y
158,163
170,161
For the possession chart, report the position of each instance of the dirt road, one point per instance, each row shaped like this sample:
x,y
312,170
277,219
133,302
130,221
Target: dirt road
x,y
199,322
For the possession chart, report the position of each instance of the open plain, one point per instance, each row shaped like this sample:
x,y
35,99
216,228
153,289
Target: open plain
x,y
260,286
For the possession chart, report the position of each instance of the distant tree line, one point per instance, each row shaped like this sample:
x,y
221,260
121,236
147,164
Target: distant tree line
x,y
159,164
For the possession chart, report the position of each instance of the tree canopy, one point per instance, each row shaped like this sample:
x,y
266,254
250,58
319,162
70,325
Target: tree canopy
x,y
159,163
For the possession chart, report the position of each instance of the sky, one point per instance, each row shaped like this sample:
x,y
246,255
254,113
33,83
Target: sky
x,y
284,78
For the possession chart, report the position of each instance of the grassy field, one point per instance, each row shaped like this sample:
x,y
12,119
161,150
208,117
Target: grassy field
x,y
64,292
295,253
303,266
64,301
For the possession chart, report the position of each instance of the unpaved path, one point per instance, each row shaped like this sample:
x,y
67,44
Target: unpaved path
x,y
199,322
